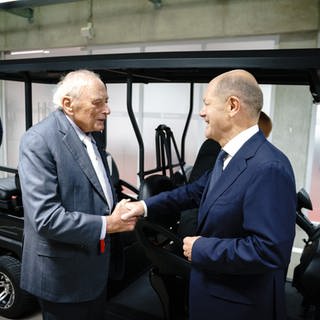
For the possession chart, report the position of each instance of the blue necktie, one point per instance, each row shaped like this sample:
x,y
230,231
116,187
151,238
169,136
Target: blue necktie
x,y
217,169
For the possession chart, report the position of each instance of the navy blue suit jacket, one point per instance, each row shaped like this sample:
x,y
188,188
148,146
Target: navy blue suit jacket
x,y
247,228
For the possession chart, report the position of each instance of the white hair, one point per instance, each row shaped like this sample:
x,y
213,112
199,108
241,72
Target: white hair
x,y
72,84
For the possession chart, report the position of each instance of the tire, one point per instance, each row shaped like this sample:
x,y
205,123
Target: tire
x,y
14,302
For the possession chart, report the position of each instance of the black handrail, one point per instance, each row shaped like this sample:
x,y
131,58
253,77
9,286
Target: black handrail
x,y
135,128
185,130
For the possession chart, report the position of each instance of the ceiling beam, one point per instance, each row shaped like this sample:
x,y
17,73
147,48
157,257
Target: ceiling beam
x,y
31,3
22,12
156,3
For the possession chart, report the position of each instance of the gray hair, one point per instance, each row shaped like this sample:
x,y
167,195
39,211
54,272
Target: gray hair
x,y
243,85
72,85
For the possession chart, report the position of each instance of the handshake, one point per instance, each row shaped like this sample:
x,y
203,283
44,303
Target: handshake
x,y
125,216
129,212
131,209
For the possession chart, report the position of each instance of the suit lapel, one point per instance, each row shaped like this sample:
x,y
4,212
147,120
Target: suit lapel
x,y
228,176
235,168
76,147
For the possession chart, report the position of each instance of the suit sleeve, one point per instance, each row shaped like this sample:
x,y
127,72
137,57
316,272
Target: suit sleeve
x,y
267,230
41,200
173,202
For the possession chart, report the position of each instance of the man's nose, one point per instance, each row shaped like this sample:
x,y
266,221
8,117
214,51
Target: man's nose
x,y
202,112
106,109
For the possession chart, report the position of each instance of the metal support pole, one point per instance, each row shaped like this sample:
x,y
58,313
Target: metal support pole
x,y
185,130
28,101
135,128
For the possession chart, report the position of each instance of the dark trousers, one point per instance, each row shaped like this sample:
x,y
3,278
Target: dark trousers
x,y
89,310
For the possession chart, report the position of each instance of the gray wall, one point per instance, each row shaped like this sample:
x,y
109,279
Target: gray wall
x,y
129,21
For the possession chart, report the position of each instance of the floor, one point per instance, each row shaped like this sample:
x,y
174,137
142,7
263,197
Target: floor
x,y
140,302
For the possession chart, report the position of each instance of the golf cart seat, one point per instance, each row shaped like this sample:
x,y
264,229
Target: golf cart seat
x,y
10,191
169,272
128,258
162,237
153,185
205,160
10,195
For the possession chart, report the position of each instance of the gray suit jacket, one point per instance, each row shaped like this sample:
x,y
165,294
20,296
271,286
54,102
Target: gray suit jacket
x,y
63,202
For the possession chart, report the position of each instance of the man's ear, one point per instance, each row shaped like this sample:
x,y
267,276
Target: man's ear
x,y
233,105
66,106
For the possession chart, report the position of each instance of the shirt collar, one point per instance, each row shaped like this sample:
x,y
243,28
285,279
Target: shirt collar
x,y
79,132
233,146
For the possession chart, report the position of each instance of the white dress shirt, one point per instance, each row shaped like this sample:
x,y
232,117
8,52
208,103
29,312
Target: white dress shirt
x,y
233,146
82,136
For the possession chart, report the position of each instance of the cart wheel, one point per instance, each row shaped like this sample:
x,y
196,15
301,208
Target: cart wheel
x,y
14,302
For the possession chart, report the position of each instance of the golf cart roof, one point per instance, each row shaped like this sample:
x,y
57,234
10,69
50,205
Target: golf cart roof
x,y
286,66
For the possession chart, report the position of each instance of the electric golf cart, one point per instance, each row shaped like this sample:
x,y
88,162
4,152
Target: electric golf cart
x,y
155,246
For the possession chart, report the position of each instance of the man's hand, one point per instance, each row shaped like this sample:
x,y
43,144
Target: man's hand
x,y
114,221
135,210
187,246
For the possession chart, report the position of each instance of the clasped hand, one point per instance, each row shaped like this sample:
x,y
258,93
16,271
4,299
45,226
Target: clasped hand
x,y
123,218
136,209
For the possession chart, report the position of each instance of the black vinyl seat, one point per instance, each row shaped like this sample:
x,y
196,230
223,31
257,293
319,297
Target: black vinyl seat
x,y
205,160
170,270
128,258
153,185
8,188
10,191
10,195
161,238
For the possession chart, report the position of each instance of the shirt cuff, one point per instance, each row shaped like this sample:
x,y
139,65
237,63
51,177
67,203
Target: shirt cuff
x,y
145,208
103,228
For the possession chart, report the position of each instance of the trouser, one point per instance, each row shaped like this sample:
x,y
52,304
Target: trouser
x,y
89,310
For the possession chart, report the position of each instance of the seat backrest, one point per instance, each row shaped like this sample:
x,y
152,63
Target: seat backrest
x,y
8,188
155,184
163,248
10,195
205,160
114,172
166,259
